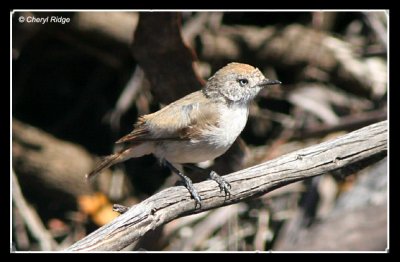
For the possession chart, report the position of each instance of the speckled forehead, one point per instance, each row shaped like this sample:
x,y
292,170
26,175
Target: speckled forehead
x,y
240,69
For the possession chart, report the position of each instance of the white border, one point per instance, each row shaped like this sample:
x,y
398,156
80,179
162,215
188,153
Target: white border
x,y
207,10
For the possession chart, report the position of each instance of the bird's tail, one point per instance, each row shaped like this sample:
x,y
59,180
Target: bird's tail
x,y
107,162
133,151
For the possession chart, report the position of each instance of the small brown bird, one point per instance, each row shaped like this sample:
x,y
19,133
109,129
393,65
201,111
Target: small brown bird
x,y
198,127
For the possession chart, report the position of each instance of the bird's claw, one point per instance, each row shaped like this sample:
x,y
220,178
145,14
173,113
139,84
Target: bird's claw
x,y
222,183
189,185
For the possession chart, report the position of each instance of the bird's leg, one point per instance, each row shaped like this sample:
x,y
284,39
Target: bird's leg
x,y
186,181
222,183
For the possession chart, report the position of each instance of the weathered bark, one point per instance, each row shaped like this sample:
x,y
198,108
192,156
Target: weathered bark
x,y
360,147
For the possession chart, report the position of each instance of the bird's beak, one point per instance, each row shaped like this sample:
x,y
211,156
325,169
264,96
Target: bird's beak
x,y
267,82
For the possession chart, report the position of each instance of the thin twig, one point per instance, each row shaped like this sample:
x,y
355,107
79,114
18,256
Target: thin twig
x,y
120,208
348,123
31,218
261,236
361,147
204,229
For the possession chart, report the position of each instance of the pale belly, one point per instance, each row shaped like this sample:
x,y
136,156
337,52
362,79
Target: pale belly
x,y
187,152
214,143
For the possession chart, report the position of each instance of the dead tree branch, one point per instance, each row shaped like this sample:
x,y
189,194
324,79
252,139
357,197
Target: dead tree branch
x,y
44,161
162,61
360,147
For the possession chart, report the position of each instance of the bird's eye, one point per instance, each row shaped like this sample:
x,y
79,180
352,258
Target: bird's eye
x,y
243,81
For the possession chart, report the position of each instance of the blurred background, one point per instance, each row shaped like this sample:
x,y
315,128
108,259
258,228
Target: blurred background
x,y
81,79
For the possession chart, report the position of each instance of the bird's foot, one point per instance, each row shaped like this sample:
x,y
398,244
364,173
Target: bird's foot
x,y
186,183
222,183
189,185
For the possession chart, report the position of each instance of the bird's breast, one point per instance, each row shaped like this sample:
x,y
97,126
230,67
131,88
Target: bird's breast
x,y
231,123
213,142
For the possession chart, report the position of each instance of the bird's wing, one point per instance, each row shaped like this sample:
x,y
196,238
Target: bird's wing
x,y
182,119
